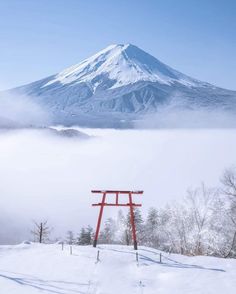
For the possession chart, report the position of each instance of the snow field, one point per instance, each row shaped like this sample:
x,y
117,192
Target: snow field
x,y
35,268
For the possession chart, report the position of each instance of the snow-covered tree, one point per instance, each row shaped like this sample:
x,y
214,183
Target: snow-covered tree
x,y
85,236
107,235
70,238
178,229
127,228
152,228
229,189
120,227
200,204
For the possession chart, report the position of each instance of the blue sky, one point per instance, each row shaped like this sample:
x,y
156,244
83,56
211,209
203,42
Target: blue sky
x,y
40,38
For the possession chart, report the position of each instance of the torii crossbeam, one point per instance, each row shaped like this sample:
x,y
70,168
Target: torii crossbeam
x,y
130,204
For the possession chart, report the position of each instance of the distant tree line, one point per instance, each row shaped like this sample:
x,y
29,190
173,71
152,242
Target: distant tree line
x,y
204,223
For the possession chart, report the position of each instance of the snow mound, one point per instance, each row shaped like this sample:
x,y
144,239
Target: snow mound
x,y
26,242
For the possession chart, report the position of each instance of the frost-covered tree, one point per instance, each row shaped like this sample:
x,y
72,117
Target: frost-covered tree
x,y
139,224
152,229
186,228
85,236
178,229
200,202
70,238
123,233
127,231
229,189
107,235
221,230
120,227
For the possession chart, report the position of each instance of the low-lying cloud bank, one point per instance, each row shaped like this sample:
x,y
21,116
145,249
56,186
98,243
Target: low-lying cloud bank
x,y
19,111
177,118
47,177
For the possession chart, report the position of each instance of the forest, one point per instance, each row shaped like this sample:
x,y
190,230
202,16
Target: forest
x,y
204,223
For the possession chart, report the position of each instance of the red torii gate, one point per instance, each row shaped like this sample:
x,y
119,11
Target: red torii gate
x,y
129,204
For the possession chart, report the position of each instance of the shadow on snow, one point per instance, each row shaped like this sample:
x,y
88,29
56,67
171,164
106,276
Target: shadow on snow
x,y
44,285
173,264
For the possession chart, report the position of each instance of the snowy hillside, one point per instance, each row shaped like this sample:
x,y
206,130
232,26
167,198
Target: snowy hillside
x,y
119,85
34,268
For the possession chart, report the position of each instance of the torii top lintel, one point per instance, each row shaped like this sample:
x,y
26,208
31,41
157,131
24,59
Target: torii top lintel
x,y
117,193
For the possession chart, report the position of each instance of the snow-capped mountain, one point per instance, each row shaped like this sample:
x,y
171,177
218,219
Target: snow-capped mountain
x,y
122,64
122,83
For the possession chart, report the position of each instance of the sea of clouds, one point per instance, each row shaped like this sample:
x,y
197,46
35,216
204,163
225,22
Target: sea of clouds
x,y
48,177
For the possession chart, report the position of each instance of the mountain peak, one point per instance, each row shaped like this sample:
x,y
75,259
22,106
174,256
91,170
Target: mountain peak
x,y
119,46
121,64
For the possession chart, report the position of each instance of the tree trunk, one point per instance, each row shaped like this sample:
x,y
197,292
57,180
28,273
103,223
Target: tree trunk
x,y
41,233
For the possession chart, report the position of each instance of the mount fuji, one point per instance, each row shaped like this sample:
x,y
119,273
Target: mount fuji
x,y
120,85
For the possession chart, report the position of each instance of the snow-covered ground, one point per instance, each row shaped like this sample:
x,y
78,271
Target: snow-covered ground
x,y
35,268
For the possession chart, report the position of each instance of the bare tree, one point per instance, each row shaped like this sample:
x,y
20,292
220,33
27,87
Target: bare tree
x,y
229,183
41,231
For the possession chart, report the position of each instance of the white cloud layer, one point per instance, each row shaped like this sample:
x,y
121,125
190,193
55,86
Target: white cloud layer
x,y
20,111
45,177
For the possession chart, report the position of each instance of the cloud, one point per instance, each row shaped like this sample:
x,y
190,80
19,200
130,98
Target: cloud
x,y
45,177
171,117
20,111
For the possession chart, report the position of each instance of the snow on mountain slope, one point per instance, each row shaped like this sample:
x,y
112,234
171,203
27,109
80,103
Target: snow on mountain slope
x,y
119,85
35,268
125,64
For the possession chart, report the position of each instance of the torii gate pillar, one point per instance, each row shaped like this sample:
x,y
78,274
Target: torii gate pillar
x,y
130,204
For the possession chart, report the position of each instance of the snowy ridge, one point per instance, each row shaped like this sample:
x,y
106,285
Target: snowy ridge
x,y
35,268
126,64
